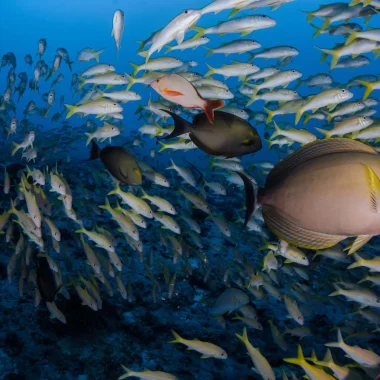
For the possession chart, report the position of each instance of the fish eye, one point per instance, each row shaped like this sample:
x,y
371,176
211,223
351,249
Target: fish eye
x,y
186,12
365,118
343,91
115,104
134,231
294,92
293,71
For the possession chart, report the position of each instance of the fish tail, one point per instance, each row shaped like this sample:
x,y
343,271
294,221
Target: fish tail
x,y
131,81
200,32
95,151
107,206
128,373
317,30
352,35
209,52
209,107
337,292
250,198
252,99
326,24
277,131
181,126
135,68
270,143
339,343
299,359
210,71
177,338
89,138
244,337
298,115
96,55
16,147
358,263
326,134
173,165
81,230
71,109
115,191
141,43
82,82
163,146
368,88
354,2
310,16
270,114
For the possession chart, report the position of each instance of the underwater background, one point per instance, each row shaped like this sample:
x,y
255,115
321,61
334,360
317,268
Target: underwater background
x,y
135,331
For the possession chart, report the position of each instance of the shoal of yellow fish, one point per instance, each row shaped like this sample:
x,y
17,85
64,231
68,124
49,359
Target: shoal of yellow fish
x,y
38,220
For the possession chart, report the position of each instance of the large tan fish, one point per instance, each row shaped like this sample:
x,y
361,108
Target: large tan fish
x,y
177,89
323,193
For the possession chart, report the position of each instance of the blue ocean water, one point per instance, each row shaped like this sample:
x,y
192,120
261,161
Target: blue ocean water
x,y
93,345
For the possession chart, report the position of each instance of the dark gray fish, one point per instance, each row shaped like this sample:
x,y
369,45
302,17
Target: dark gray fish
x,y
229,135
119,162
45,280
28,59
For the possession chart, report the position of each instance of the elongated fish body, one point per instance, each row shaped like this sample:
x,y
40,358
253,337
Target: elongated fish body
x,y
118,27
324,192
177,89
174,30
229,135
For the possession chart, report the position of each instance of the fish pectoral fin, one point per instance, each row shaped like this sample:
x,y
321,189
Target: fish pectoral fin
x,y
205,357
297,235
358,243
125,177
172,92
180,37
374,188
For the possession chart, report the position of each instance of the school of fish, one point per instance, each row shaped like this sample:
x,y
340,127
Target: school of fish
x,y
280,242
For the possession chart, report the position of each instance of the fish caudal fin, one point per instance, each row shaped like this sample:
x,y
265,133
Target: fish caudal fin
x,y
95,151
181,126
368,88
210,106
177,338
317,30
96,55
244,337
325,133
89,138
339,343
128,373
135,68
71,109
200,32
250,198
210,71
300,359
256,90
15,148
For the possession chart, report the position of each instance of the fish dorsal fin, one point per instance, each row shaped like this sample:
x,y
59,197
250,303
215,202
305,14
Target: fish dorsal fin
x,y
312,150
